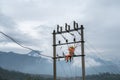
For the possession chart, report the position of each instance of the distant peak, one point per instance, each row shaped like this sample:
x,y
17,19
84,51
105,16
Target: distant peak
x,y
34,53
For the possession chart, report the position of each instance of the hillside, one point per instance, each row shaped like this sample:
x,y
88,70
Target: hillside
x,y
104,76
12,75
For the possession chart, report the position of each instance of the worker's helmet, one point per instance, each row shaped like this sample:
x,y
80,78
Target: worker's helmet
x,y
71,49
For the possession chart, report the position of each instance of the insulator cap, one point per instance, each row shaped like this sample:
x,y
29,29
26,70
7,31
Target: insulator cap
x,y
60,29
66,40
57,28
59,42
74,39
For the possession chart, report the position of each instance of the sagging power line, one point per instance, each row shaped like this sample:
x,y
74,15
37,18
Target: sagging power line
x,y
15,41
28,48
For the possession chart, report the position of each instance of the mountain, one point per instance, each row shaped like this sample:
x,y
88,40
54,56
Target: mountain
x,y
105,66
35,64
34,53
25,63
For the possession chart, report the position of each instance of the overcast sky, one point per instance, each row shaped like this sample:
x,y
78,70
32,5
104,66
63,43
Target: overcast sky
x,y
31,23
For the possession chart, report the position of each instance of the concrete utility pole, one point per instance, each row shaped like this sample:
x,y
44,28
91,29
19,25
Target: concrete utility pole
x,y
82,52
68,30
54,55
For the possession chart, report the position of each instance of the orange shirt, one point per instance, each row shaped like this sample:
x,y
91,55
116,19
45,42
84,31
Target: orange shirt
x,y
71,50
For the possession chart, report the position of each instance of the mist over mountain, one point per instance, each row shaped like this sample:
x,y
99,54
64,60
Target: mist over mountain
x,y
36,64
25,63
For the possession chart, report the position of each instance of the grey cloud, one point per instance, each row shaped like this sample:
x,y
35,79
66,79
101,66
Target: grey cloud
x,y
6,21
10,27
41,10
102,26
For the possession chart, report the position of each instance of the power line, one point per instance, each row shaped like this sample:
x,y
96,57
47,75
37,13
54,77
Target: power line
x,y
15,41
37,51
79,33
63,69
99,54
63,37
99,72
94,69
103,62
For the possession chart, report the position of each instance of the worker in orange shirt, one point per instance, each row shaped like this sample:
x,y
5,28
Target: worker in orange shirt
x,y
70,54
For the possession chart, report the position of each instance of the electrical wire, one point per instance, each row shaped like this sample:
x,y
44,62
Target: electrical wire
x,y
70,69
75,72
103,62
94,70
99,54
79,33
63,37
72,34
63,69
100,78
22,45
15,41
96,56
74,38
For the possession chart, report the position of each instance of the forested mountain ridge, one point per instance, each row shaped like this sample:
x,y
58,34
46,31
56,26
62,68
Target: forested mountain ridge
x,y
103,76
12,75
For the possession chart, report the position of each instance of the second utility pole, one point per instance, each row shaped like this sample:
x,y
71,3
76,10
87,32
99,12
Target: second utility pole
x,y
82,52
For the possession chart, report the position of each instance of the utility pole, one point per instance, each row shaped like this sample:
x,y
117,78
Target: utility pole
x,y
59,31
54,55
82,52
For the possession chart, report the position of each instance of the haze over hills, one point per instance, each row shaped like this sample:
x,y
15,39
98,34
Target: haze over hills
x,y
25,63
35,64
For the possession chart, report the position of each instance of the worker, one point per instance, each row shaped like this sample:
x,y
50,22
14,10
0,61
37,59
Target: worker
x,y
71,50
